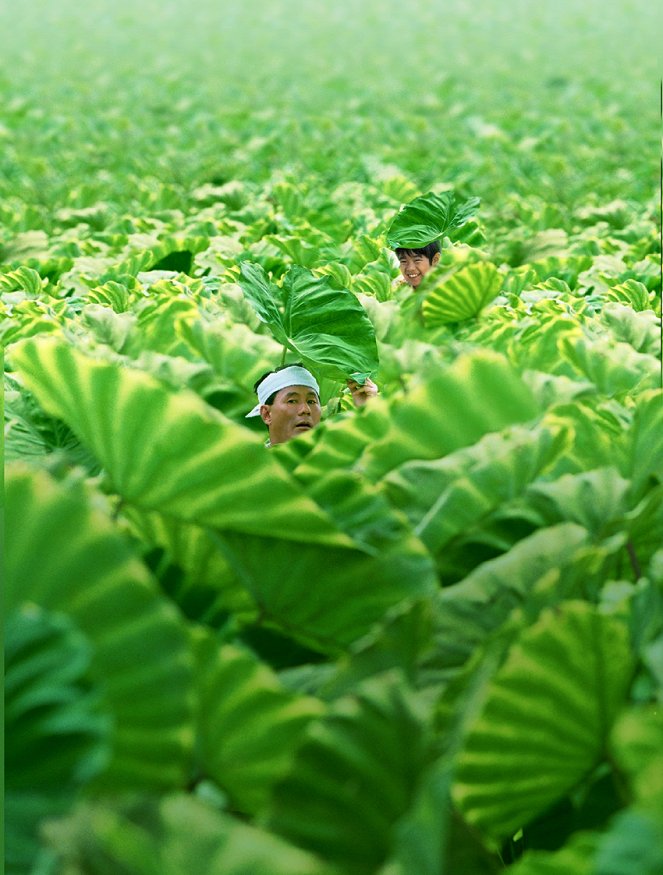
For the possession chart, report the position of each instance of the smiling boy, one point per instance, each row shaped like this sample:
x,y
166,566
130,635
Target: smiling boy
x,y
414,264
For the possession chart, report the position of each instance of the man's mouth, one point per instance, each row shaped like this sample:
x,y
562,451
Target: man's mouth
x,y
303,425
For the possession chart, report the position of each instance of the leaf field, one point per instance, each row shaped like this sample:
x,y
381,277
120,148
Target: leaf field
x,y
425,637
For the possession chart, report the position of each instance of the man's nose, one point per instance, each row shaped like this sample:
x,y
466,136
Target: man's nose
x,y
304,408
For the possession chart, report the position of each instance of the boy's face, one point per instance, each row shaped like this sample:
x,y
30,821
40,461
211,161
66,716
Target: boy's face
x,y
414,266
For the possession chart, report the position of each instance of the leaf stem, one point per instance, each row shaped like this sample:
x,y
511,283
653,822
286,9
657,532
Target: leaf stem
x,y
285,350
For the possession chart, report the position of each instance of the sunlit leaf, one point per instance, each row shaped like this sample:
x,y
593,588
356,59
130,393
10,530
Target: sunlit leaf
x,y
461,296
186,460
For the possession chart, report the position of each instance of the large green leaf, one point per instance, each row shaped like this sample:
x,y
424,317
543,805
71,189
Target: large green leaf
x,y
546,719
446,496
327,328
479,393
462,295
429,217
612,366
634,843
355,775
328,597
249,725
169,451
56,735
466,613
65,556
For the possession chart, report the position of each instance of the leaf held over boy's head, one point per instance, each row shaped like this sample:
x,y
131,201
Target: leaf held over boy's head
x,y
429,217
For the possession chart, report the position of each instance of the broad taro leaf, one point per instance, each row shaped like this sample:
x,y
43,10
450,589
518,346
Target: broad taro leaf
x,y
326,328
461,296
641,330
171,836
429,217
328,597
249,725
632,293
479,393
355,775
56,734
468,611
593,499
169,451
637,746
421,837
445,497
66,557
614,367
546,719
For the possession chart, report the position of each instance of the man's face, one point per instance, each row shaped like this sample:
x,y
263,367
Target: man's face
x,y
414,266
296,409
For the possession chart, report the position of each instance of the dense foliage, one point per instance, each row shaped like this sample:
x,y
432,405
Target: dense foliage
x,y
426,637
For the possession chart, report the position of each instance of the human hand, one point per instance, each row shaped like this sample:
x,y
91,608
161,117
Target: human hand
x,y
361,393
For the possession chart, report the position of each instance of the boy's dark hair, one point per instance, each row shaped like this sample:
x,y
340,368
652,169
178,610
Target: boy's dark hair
x,y
429,250
271,398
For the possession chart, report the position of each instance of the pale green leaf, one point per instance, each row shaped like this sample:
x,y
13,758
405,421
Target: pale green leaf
x,y
462,295
448,410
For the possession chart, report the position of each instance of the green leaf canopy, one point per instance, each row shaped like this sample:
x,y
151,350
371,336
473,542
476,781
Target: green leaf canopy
x,y
429,217
326,327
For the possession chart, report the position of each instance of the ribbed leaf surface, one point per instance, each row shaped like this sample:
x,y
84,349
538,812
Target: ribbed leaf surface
x,y
429,217
169,451
545,722
354,776
324,326
612,366
64,556
249,725
462,296
56,737
328,597
447,496
479,393
173,835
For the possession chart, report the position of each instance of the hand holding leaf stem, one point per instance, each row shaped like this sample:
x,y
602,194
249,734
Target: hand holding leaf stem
x,y
362,392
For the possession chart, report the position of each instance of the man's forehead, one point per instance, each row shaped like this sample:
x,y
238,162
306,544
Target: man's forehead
x,y
296,390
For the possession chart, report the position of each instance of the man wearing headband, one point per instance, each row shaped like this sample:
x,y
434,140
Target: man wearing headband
x,y
289,401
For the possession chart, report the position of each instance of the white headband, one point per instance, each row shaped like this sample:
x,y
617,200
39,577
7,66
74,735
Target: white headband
x,y
292,376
